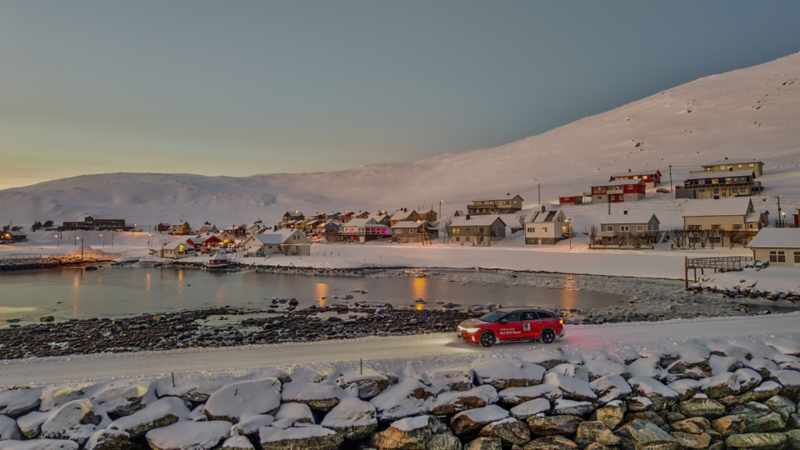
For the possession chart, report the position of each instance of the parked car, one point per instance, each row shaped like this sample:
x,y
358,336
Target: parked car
x,y
662,191
510,325
205,251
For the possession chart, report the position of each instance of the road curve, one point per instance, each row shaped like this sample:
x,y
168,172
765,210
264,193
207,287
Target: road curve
x,y
145,364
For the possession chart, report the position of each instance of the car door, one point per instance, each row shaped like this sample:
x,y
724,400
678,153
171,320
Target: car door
x,y
531,325
510,327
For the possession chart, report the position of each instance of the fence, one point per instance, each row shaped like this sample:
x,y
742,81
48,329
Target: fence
x,y
718,264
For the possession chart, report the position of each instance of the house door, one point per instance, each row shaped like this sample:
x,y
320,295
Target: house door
x,y
510,327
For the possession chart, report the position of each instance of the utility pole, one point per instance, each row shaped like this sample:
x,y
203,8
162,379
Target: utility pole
x,y
780,222
670,178
440,208
539,189
609,203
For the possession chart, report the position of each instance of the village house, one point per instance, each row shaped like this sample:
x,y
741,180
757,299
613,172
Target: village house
x,y
414,232
503,205
477,230
180,229
777,245
704,185
652,178
619,191
431,216
208,228
404,215
293,217
361,215
255,227
178,249
90,223
546,227
162,227
281,242
14,236
621,229
364,230
734,165
459,213
571,200
381,218
728,221
230,234
206,240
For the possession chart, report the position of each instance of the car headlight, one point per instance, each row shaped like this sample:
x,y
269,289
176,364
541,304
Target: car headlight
x,y
469,330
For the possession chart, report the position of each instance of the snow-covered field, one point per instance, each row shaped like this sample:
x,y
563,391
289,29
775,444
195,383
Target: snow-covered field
x,y
746,113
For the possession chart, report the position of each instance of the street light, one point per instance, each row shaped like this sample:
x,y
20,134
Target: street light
x,y
81,247
783,213
569,231
104,240
149,237
58,240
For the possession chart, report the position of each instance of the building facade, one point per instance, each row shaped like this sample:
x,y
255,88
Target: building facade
x,y
711,185
503,205
619,191
651,178
639,226
546,227
418,232
734,165
779,246
90,223
477,230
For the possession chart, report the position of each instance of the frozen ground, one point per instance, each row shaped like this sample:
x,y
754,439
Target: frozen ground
x,y
401,355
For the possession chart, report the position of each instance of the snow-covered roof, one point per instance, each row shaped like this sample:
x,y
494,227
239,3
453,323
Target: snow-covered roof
x,y
776,238
731,174
275,237
730,161
401,215
411,224
619,182
754,216
477,221
499,197
545,217
634,173
360,222
175,244
631,217
732,206
377,217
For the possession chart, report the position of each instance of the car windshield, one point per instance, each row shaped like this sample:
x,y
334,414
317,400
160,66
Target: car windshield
x,y
493,316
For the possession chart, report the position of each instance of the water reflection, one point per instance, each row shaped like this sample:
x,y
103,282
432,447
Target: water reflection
x,y
322,290
420,288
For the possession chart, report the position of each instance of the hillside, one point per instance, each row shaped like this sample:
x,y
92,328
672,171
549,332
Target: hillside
x,y
751,112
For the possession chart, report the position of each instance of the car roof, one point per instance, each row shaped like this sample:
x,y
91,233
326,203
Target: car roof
x,y
513,310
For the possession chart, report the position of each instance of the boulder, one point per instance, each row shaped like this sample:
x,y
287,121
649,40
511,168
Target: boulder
x,y
305,438
353,418
108,440
728,425
793,439
366,385
589,432
571,388
639,404
692,425
701,407
761,441
19,401
530,408
249,426
781,405
763,392
640,435
691,440
471,421
790,380
571,370
187,435
572,408
40,444
296,412
237,443
553,425
411,433
8,429
510,431
551,443
611,414
161,413
686,388
445,379
407,398
320,397
506,373
484,443
660,395
650,416
518,395
74,420
30,425
244,398
120,399
444,441
609,388
456,401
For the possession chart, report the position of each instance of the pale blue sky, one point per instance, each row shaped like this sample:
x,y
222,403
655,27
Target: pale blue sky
x,y
242,88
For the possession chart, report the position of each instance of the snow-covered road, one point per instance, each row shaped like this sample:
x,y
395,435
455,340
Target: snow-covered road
x,y
207,360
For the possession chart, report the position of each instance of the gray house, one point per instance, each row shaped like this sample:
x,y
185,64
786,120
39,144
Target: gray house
x,y
477,230
284,241
634,224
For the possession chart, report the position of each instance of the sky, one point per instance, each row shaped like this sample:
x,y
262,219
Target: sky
x,y
253,87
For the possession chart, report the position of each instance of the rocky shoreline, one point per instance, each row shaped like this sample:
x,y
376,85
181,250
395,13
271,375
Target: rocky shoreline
x,y
715,395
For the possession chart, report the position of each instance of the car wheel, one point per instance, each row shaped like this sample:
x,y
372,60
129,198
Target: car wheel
x,y
486,339
548,336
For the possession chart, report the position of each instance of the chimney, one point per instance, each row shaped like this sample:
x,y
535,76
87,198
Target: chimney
x,y
542,208
625,213
629,170
467,216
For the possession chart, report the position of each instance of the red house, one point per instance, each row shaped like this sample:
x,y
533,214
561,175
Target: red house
x,y
574,200
208,240
651,178
619,191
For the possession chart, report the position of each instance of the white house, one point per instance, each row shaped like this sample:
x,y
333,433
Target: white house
x,y
777,245
181,248
633,224
546,227
285,241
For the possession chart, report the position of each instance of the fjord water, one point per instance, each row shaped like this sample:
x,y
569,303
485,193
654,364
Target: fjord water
x,y
122,292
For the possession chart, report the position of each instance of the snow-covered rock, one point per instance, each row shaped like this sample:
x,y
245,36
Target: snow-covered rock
x,y
8,428
318,396
571,370
506,373
365,386
661,395
518,395
244,398
610,387
316,438
471,421
571,388
444,379
107,439
119,400
251,424
296,412
40,444
237,443
353,418
453,402
31,424
161,413
530,408
572,407
408,397
188,435
18,402
411,433
73,420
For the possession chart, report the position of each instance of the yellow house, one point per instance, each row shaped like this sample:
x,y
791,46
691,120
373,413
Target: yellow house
x,y
734,216
733,165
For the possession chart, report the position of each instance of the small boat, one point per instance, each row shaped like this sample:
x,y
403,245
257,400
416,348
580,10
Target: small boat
x,y
218,261
89,268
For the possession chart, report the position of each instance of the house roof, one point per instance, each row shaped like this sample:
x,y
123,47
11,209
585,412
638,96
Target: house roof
x,y
16,233
776,238
732,206
544,217
731,161
412,224
631,217
275,237
377,217
635,173
619,183
360,222
476,221
731,174
499,197
175,244
401,215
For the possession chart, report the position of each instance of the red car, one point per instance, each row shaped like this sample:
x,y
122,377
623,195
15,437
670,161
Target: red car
x,y
510,325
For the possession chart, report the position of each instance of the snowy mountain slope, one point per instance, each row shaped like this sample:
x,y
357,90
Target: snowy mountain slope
x,y
747,113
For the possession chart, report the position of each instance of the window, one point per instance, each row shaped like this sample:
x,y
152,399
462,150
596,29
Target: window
x,y
399,231
740,165
752,165
609,228
715,240
530,316
458,239
751,225
639,227
513,317
736,226
466,230
411,231
777,256
715,226
624,228
530,230
544,230
735,190
716,191
694,227
797,257
630,186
